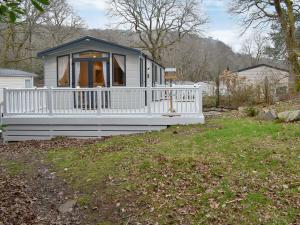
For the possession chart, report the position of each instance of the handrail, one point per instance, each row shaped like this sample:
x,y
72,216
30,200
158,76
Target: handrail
x,y
103,101
107,88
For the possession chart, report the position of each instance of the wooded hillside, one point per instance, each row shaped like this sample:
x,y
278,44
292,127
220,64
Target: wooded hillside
x,y
195,57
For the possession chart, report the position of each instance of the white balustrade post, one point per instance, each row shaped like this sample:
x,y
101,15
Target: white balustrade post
x,y
200,99
1,112
99,100
149,98
50,100
5,102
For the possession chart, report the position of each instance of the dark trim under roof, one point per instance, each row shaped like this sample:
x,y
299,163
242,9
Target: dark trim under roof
x,y
259,65
148,57
86,38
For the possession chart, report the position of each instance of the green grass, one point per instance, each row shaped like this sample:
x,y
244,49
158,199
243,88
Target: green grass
x,y
14,167
228,171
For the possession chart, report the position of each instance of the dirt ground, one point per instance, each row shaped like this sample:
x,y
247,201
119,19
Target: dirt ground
x,y
33,195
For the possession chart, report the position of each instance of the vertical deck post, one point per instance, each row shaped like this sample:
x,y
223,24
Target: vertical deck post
x,y
4,102
50,100
99,100
149,95
200,99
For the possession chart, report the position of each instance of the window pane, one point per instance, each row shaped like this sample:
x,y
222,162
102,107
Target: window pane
x,y
119,70
28,83
63,72
81,74
153,78
91,54
155,73
160,76
141,73
99,69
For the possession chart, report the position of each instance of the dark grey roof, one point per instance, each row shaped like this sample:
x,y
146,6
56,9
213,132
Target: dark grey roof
x,y
15,73
89,38
80,40
259,65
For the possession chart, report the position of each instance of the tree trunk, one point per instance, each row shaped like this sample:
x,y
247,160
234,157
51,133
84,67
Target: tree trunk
x,y
287,21
7,46
156,55
218,90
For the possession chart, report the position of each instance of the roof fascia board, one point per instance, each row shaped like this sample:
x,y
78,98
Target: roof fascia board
x,y
78,41
257,66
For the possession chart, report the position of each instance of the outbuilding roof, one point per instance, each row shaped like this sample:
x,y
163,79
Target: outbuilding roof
x,y
260,65
15,73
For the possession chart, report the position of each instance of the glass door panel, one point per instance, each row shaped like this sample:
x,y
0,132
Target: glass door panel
x,y
90,69
99,74
83,79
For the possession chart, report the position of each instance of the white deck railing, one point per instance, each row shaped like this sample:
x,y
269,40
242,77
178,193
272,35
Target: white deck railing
x,y
1,112
103,101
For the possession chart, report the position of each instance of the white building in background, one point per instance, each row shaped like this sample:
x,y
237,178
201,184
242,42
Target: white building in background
x,y
208,88
10,78
259,74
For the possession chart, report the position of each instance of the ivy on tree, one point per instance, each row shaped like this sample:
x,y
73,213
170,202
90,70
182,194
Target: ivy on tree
x,y
10,10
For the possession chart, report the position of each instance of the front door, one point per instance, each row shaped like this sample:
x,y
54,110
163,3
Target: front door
x,y
90,72
90,69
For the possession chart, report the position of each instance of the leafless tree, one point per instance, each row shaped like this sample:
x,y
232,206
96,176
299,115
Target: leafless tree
x,y
34,31
260,13
61,21
18,36
159,23
254,47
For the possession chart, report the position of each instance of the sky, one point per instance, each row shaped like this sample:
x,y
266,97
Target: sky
x,y
222,26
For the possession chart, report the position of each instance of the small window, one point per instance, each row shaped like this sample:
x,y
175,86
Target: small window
x,y
63,71
119,70
28,83
160,76
155,74
90,54
141,72
281,90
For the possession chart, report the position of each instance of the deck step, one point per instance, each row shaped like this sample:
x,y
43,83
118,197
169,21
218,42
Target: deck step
x,y
46,132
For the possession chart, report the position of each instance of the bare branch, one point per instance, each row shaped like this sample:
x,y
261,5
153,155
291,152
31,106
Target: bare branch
x,y
159,23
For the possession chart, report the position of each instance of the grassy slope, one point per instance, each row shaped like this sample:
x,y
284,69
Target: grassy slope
x,y
229,171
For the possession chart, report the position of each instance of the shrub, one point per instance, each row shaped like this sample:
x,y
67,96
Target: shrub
x,y
251,111
209,101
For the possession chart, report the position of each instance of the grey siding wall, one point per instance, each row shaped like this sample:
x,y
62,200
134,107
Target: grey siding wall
x,y
132,71
150,66
278,80
50,71
257,75
163,76
149,72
